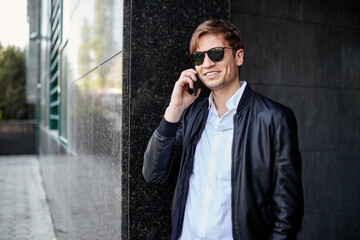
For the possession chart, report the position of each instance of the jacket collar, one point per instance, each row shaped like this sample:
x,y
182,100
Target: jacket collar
x,y
246,98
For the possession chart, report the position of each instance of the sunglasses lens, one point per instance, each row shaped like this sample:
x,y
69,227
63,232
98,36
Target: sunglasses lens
x,y
198,58
216,54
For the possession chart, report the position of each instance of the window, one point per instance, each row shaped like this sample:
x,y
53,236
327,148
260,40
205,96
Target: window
x,y
55,83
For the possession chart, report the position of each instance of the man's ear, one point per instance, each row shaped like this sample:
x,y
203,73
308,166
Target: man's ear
x,y
239,57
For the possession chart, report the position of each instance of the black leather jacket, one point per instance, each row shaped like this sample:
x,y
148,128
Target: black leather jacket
x,y
267,194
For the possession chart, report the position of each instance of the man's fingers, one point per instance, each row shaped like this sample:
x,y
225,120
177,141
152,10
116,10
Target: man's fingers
x,y
183,81
191,73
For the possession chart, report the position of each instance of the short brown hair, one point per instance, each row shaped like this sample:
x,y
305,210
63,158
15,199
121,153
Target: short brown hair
x,y
229,31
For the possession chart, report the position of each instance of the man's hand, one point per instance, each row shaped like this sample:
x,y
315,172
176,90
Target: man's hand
x,y
180,98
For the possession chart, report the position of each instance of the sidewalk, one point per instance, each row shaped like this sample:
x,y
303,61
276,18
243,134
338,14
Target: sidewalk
x,y
24,211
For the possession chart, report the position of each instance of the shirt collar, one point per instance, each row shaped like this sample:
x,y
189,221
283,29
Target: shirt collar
x,y
232,103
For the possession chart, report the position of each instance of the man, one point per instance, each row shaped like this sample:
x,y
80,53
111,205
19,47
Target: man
x,y
240,167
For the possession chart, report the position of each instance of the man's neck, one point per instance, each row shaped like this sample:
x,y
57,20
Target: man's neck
x,y
221,96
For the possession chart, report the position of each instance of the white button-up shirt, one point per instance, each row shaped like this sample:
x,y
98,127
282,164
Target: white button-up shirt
x,y
208,206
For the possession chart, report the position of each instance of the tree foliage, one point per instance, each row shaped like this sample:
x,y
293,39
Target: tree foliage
x,y
12,84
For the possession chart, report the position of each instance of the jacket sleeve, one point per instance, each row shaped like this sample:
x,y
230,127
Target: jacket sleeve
x,y
288,203
158,155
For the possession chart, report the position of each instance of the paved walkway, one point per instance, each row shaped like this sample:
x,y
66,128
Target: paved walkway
x,y
24,211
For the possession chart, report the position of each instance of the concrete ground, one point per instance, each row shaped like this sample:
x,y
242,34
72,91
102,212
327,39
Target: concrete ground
x,y
24,211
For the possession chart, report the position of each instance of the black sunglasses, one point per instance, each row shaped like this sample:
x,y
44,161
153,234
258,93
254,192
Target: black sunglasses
x,y
216,54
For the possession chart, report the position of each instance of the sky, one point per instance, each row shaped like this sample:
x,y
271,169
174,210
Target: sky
x,y
14,29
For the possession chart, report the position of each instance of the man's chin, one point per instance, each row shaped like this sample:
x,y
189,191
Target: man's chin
x,y
213,85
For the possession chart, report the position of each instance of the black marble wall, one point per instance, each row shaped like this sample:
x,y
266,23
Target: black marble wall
x,y
306,55
157,35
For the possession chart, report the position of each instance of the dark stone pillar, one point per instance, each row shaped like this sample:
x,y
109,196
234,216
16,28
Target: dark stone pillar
x,y
156,42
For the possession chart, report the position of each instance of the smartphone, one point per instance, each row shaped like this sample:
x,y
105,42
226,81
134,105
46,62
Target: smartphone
x,y
197,84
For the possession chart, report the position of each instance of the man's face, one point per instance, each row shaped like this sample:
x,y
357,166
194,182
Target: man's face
x,y
224,74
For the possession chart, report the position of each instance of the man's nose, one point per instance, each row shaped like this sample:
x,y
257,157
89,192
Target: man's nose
x,y
207,61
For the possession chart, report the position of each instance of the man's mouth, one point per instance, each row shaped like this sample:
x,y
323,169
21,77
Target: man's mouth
x,y
209,74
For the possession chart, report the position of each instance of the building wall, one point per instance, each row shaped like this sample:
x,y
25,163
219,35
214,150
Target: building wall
x,y
118,61
81,156
306,55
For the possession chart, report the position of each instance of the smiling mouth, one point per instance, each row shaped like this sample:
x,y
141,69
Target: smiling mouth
x,y
211,74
